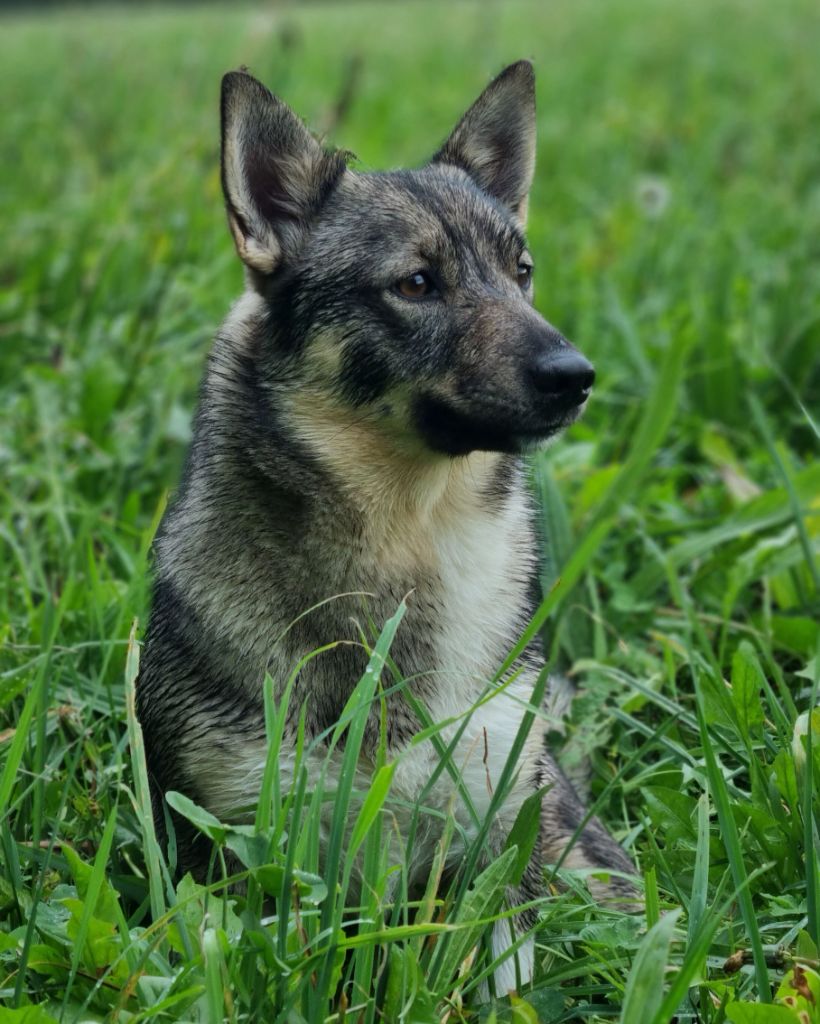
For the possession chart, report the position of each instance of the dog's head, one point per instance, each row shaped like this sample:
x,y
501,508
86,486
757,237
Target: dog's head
x,y
404,296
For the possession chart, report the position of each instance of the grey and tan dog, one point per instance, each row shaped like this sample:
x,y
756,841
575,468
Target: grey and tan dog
x,y
359,440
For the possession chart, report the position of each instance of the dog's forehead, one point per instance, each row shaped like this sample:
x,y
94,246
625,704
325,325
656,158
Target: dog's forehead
x,y
435,206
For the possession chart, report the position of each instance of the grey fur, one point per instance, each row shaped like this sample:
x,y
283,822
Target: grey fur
x,y
353,447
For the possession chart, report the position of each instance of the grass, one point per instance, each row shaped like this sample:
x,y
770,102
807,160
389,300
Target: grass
x,y
676,229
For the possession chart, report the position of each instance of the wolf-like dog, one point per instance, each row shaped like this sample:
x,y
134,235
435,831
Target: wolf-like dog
x,y
359,440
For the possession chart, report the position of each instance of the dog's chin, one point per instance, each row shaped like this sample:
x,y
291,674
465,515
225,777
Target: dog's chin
x,y
453,431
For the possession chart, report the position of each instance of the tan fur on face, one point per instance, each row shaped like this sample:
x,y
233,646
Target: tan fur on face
x,y
323,359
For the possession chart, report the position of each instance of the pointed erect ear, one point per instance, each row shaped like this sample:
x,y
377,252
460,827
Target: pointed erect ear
x,y
495,140
275,175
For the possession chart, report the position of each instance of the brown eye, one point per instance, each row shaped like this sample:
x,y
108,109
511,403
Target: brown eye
x,y
524,275
416,286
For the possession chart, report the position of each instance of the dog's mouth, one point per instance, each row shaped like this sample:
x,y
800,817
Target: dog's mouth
x,y
452,430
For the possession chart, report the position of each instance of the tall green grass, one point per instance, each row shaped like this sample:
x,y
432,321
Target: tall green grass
x,y
674,225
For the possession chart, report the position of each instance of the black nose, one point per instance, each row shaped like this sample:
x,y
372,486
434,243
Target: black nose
x,y
565,374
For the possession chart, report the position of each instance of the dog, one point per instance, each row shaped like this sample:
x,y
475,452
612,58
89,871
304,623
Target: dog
x,y
360,440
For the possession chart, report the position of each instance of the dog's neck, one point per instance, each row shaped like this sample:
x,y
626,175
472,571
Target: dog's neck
x,y
382,475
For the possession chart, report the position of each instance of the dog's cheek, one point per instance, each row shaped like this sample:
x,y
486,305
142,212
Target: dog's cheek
x,y
364,374
321,360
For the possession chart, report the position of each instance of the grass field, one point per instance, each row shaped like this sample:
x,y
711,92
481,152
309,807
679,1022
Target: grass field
x,y
675,225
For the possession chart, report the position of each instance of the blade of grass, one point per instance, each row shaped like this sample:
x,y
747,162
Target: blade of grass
x,y
95,885
809,846
765,430
214,996
658,416
158,880
644,987
42,876
700,878
731,841
357,710
651,898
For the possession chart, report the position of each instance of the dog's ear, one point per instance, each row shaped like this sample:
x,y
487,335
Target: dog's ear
x,y
495,140
275,175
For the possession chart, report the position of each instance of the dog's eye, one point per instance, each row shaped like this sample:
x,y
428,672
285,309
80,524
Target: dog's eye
x,y
416,286
524,275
